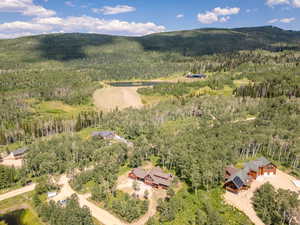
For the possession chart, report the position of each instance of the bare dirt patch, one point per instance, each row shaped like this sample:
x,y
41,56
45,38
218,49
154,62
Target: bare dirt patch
x,y
243,202
9,161
110,98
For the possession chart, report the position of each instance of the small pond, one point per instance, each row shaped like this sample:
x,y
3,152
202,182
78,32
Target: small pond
x,y
136,84
20,217
13,218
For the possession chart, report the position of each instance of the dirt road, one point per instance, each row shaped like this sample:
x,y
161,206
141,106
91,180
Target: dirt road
x,y
19,191
100,214
110,98
242,201
9,161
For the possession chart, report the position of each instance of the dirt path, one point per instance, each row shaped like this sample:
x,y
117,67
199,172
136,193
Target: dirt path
x,y
242,201
19,191
110,98
244,120
9,161
100,214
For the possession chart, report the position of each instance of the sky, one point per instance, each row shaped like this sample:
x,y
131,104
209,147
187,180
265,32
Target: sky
x,y
141,17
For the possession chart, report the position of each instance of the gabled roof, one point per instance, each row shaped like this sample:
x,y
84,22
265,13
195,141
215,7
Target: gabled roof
x,y
156,175
240,178
103,133
256,164
158,172
160,177
158,181
19,151
231,170
140,173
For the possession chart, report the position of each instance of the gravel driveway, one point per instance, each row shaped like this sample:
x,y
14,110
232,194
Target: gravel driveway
x,y
242,201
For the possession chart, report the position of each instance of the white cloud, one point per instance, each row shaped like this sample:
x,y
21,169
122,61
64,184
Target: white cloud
x,y
217,15
283,20
272,3
112,10
25,7
18,26
70,4
273,21
179,16
296,3
208,17
287,20
77,24
226,11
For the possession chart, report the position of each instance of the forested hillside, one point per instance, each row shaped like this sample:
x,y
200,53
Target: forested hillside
x,y
248,106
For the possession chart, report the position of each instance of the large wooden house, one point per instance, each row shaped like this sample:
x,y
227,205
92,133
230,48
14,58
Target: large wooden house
x,y
237,180
155,177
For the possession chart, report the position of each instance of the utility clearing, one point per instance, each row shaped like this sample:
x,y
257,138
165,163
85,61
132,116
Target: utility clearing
x,y
111,98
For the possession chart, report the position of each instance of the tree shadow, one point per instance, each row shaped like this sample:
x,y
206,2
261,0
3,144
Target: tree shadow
x,y
66,47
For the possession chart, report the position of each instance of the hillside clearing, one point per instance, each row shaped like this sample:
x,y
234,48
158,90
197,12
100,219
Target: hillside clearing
x,y
110,98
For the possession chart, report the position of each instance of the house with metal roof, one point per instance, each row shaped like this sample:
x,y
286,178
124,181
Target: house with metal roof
x,y
104,134
155,177
19,153
241,179
109,135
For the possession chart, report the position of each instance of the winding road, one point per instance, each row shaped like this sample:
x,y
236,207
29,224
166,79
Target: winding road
x,y
100,214
16,192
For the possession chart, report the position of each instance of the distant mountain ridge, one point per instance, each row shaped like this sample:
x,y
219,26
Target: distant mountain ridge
x,y
188,42
217,40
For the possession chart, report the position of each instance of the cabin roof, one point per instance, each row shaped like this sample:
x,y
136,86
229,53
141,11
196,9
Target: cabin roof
x,y
158,172
231,170
156,175
158,181
140,173
256,164
103,133
240,176
19,151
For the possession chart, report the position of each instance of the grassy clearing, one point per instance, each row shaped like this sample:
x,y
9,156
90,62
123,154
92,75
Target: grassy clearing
x,y
226,91
27,216
153,100
52,108
241,82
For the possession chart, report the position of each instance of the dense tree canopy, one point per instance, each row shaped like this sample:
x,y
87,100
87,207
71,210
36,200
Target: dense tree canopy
x,y
276,207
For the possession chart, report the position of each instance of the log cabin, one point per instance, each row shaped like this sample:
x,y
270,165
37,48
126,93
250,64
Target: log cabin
x,y
155,177
242,179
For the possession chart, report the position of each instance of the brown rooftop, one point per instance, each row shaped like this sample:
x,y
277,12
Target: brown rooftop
x,y
140,173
